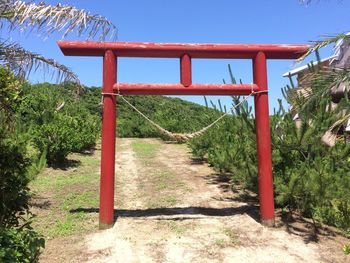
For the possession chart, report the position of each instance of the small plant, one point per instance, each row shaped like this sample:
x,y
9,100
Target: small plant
x,y
232,235
346,249
220,243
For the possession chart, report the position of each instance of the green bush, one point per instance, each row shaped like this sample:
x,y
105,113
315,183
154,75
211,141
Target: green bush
x,y
18,242
20,245
172,114
65,134
10,88
14,192
56,122
309,177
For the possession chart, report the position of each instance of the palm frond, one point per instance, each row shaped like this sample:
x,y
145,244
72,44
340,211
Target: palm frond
x,y
23,62
47,19
322,43
322,80
305,2
340,122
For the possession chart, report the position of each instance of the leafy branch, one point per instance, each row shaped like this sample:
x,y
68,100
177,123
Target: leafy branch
x,y
322,43
48,18
22,62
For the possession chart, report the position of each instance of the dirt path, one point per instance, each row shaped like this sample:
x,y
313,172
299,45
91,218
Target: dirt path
x,y
173,210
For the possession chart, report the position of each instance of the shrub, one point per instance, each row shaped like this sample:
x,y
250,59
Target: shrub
x,y
20,245
65,134
14,192
309,177
56,122
18,242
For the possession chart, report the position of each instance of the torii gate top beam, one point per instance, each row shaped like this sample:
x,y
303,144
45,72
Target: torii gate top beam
x,y
177,50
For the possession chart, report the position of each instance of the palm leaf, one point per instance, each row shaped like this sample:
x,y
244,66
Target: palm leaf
x,y
322,43
47,19
22,62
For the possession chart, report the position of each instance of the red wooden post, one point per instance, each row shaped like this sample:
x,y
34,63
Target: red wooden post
x,y
108,142
186,70
263,141
259,54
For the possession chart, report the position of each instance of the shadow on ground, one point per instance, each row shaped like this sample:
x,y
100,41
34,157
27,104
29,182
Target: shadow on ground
x,y
307,229
66,164
185,212
295,225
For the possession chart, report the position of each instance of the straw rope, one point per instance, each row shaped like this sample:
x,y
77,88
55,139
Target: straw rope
x,y
183,137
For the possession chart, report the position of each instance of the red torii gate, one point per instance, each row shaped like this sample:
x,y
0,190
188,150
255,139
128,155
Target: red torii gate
x,y
185,52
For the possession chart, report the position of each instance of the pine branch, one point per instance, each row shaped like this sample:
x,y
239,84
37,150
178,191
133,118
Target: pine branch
x,y
47,19
23,62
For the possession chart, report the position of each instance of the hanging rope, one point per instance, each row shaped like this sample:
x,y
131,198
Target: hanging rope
x,y
183,137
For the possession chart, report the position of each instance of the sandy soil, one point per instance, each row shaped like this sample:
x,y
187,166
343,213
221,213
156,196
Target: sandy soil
x,y
172,209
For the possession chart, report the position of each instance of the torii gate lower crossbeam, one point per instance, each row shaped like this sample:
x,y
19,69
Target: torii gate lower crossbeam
x,y
185,52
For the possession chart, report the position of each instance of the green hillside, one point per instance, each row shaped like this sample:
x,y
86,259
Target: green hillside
x,y
56,120
173,114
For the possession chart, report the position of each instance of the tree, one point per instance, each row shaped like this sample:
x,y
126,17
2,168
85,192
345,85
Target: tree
x,y
46,19
18,241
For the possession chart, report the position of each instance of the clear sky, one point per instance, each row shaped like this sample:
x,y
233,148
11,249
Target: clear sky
x,y
194,21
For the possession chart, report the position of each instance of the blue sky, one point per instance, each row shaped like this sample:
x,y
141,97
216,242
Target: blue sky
x,y
222,21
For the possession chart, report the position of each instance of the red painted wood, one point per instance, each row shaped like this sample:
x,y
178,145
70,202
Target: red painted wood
x,y
186,70
177,50
263,139
108,142
179,89
111,50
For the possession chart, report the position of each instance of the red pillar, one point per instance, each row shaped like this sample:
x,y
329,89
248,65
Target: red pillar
x,y
108,142
263,140
186,70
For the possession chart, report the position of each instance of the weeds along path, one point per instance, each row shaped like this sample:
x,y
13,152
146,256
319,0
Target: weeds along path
x,y
169,208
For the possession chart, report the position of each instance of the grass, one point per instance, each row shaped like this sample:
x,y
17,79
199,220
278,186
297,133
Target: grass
x,y
67,190
144,150
232,235
175,227
229,239
160,181
90,161
59,181
346,249
220,242
76,200
164,200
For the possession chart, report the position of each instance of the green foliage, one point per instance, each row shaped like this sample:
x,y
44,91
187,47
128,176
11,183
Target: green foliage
x,y
18,242
9,91
20,245
309,177
171,113
26,120
57,122
346,249
14,192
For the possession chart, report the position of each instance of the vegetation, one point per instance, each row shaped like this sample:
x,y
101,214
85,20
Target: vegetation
x,y
43,123
18,242
45,19
69,189
173,114
58,123
309,177
28,135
